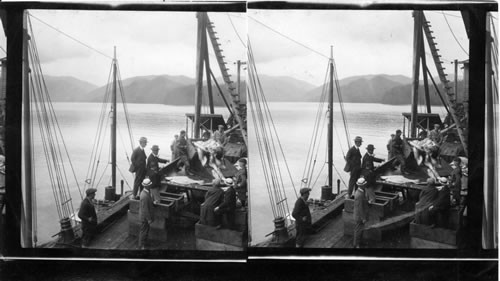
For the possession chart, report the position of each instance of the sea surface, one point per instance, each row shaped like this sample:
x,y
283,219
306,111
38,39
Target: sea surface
x,y
294,123
159,123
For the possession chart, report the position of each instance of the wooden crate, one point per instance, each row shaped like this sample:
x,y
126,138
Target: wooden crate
x,y
164,209
392,198
380,208
177,198
134,206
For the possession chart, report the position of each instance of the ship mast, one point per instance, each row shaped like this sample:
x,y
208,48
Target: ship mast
x,y
113,125
330,123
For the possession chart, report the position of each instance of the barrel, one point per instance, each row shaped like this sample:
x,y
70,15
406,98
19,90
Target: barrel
x,y
326,192
109,193
67,233
280,230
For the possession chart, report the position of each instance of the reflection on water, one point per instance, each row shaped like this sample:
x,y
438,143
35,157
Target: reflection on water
x,y
78,123
294,123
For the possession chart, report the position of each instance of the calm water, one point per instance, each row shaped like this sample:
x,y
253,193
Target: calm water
x,y
78,123
294,123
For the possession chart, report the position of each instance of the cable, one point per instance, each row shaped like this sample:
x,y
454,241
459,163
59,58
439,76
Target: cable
x,y
3,49
234,28
289,38
454,34
71,37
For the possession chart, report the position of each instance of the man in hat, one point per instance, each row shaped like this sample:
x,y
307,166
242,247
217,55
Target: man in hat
x,y
367,165
88,217
173,146
353,164
439,209
153,171
220,136
360,211
389,146
138,165
146,212
302,217
240,180
397,150
213,198
435,135
181,150
228,205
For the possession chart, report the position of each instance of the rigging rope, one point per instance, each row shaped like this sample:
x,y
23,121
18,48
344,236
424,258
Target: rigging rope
x,y
452,33
234,28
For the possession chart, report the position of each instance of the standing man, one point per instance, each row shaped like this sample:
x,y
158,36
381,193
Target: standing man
x,y
439,209
213,198
145,213
173,145
153,171
435,135
389,147
138,165
241,181
367,165
220,136
228,205
88,217
302,217
456,181
398,151
353,164
181,150
360,211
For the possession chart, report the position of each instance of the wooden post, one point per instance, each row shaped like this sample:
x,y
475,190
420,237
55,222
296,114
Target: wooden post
x,y
209,81
424,74
330,123
417,41
113,125
202,37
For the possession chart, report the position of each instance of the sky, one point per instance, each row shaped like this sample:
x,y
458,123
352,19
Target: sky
x,y
148,43
364,42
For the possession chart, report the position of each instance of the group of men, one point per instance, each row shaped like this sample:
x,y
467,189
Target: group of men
x,y
358,166
219,203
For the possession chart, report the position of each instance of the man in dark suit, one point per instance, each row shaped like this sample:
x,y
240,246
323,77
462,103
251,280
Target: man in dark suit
x,y
88,217
302,217
228,206
360,211
146,213
353,164
367,164
240,180
397,151
213,198
138,159
439,209
153,171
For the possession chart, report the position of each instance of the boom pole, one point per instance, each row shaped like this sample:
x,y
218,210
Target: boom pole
x,y
113,125
330,123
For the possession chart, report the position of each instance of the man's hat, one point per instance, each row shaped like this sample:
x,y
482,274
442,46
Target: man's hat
x,y
437,125
155,148
398,131
443,180
228,181
358,138
183,131
370,147
146,182
304,190
221,126
143,139
243,160
90,191
361,182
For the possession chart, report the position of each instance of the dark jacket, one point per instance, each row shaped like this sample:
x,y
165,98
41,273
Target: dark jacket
x,y
442,201
181,147
153,167
427,196
87,211
360,205
301,210
397,146
138,159
213,198
241,184
353,158
368,160
146,211
456,178
229,203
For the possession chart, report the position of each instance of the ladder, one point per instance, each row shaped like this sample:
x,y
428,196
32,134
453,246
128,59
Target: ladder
x,y
445,82
239,109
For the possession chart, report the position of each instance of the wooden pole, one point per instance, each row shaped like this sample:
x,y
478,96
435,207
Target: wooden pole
x,y
209,81
417,41
330,123
113,125
202,37
424,74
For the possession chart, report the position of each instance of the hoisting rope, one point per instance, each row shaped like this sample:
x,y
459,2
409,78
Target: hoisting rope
x,y
267,141
51,135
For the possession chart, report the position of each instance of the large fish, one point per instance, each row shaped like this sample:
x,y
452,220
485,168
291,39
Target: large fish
x,y
426,152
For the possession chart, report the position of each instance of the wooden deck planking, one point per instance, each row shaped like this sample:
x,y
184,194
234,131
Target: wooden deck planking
x,y
327,236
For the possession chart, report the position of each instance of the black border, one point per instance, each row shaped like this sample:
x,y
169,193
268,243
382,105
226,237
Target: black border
x,y
13,30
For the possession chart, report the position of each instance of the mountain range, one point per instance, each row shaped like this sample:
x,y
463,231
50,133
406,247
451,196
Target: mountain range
x,y
179,90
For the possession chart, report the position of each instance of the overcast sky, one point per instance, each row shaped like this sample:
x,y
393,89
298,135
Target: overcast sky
x,y
148,43
364,42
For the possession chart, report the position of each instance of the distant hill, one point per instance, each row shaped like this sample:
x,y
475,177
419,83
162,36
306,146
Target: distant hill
x,y
67,88
282,88
368,88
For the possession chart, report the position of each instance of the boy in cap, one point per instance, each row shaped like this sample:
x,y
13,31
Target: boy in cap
x,y
302,217
88,217
353,164
145,213
360,211
138,165
240,180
